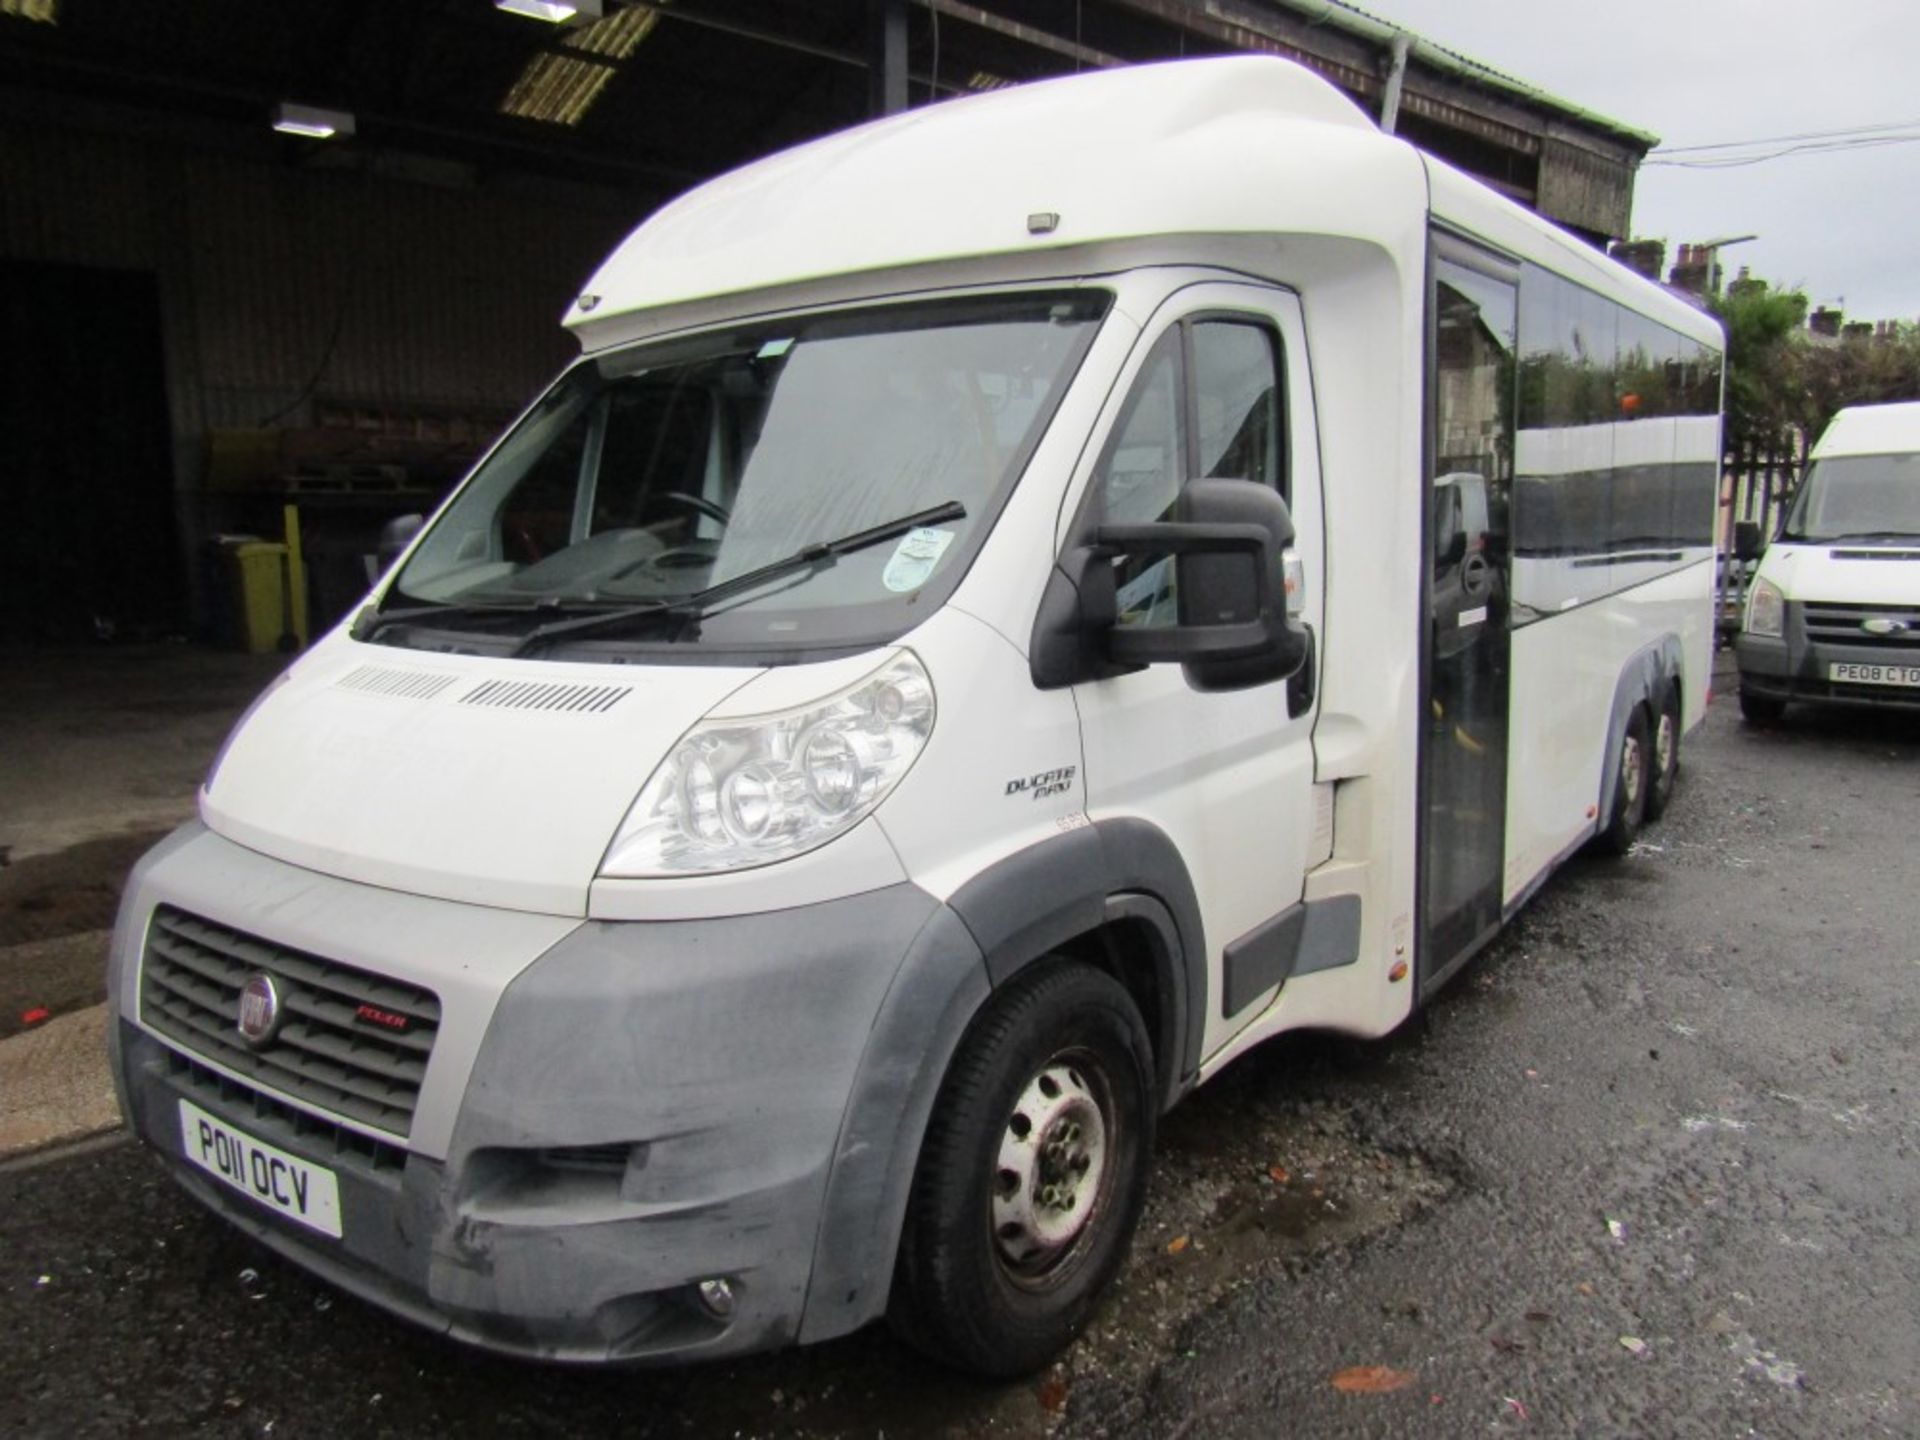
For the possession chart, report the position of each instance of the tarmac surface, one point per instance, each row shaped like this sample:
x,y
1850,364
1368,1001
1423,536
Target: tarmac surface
x,y
1650,1167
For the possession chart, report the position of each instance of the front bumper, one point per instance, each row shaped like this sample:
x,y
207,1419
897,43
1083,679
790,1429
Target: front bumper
x,y
648,1105
1795,666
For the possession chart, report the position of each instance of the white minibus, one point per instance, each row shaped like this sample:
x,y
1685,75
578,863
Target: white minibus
x,y
1013,605
1832,613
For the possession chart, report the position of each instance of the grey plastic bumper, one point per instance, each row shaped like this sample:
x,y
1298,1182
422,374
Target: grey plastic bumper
x,y
1793,666
654,1104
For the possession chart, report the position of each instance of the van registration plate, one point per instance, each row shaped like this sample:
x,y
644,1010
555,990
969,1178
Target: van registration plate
x,y
1855,674
304,1193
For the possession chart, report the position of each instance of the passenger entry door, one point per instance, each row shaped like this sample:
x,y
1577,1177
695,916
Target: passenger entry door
x,y
1222,392
1463,732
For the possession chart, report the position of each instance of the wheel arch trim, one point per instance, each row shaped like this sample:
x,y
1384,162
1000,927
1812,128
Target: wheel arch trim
x,y
1116,871
1645,679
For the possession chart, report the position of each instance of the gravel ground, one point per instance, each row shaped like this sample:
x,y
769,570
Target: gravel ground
x,y
1649,1167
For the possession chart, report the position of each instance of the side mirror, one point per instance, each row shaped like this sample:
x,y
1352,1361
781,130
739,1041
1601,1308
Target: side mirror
x,y
1748,542
1227,552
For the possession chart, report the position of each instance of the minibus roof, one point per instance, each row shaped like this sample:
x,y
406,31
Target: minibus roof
x,y
1230,145
1871,430
1240,145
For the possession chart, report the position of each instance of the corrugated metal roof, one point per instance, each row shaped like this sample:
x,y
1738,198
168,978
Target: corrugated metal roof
x,y
1367,26
561,88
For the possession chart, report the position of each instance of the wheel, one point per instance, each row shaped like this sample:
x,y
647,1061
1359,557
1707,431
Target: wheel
x,y
1630,787
1761,709
1031,1176
1664,763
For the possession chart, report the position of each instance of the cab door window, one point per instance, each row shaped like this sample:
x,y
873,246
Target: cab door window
x,y
1206,404
1236,399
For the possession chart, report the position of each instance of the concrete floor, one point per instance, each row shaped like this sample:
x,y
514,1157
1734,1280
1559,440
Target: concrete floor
x,y
101,751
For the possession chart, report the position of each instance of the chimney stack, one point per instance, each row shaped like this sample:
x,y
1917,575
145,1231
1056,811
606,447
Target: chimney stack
x,y
1693,271
1648,257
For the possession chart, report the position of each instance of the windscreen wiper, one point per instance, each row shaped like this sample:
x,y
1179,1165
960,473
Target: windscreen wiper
x,y
1874,535
816,556
370,621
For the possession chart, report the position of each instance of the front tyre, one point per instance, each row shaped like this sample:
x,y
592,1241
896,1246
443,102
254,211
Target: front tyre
x,y
1031,1176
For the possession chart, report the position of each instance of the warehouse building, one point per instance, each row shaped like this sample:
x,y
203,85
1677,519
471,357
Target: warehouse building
x,y
281,270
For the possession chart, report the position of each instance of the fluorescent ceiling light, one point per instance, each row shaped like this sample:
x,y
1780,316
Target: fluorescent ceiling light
x,y
311,121
558,12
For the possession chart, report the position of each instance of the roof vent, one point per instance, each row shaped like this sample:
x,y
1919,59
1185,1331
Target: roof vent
x,y
390,680
547,695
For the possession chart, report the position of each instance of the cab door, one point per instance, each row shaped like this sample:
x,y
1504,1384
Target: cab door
x,y
1220,390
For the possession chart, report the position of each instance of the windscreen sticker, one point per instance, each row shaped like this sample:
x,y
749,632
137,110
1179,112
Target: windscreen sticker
x,y
914,558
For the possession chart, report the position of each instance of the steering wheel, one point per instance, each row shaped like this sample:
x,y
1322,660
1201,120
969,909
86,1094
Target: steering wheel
x,y
700,503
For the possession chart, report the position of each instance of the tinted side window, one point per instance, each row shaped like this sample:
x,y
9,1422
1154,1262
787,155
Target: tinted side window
x,y
1236,390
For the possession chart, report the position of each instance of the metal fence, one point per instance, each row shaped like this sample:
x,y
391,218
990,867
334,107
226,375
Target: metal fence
x,y
1757,481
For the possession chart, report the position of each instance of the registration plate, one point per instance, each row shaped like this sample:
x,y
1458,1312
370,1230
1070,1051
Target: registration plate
x,y
1854,674
305,1193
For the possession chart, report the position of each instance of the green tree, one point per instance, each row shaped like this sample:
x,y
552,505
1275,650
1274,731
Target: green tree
x,y
1765,345
1860,370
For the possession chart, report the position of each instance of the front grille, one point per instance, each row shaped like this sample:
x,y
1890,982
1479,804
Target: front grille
x,y
191,977
1830,624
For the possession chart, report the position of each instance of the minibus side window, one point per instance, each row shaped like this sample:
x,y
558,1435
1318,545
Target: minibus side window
x,y
1225,424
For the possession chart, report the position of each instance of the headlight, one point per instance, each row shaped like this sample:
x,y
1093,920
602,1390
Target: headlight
x,y
1766,608
746,792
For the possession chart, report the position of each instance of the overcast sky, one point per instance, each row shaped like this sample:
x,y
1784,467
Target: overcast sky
x,y
1841,224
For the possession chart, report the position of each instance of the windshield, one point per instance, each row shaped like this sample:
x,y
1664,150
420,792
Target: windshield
x,y
1858,497
655,473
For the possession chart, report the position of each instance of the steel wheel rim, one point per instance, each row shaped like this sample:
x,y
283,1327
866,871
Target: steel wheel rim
x,y
1663,743
1630,763
1051,1171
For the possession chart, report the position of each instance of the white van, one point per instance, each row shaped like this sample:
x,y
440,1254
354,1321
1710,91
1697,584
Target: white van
x,y
1833,612
952,665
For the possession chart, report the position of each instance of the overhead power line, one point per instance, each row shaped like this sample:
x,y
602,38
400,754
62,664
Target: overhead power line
x,y
1812,147
1849,131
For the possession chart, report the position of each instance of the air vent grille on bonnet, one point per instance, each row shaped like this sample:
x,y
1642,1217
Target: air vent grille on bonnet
x,y
403,684
547,695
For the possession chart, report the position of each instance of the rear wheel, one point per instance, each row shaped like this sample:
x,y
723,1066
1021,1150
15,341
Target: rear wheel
x,y
1664,763
1031,1176
1630,786
1761,709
